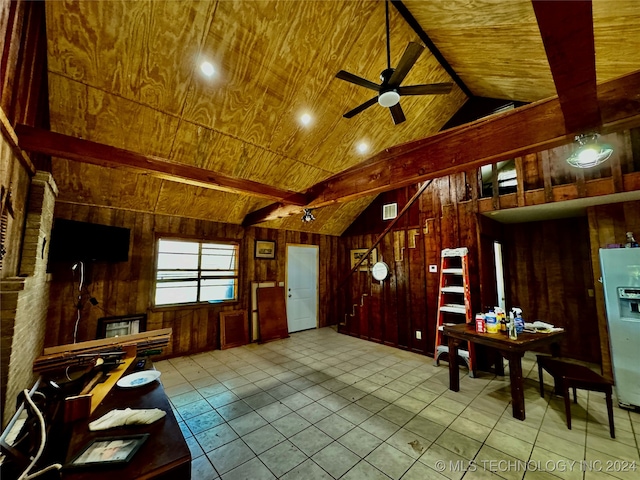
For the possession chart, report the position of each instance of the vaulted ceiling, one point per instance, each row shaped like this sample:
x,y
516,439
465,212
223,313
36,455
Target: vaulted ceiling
x,y
126,74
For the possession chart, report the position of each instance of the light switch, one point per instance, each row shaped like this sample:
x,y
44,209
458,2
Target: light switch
x,y
433,268
418,335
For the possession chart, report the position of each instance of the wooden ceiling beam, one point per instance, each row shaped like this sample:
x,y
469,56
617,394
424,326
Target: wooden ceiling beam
x,y
270,212
528,129
566,27
71,148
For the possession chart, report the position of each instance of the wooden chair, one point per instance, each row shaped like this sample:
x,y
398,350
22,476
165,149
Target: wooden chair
x,y
571,375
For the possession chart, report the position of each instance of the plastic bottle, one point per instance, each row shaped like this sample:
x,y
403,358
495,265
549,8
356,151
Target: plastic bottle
x,y
501,319
513,334
518,321
491,322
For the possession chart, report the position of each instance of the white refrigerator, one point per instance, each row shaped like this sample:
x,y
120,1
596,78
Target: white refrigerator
x,y
621,280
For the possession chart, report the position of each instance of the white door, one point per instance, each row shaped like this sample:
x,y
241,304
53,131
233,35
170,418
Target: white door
x,y
302,287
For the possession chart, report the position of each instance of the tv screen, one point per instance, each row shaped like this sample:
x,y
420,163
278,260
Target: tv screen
x,y
73,241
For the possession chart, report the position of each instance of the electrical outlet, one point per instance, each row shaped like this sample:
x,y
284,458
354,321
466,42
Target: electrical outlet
x,y
591,292
418,335
433,269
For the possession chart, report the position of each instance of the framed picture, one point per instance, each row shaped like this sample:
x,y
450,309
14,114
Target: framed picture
x,y
104,451
358,253
265,249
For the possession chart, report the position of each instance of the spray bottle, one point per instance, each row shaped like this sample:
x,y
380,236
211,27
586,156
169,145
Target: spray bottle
x,y
518,321
513,334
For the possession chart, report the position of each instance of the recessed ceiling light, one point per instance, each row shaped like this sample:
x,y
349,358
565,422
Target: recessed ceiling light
x,y
207,69
363,147
305,119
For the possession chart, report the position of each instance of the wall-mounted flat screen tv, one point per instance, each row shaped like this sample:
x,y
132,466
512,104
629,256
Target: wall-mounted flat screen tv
x,y
73,241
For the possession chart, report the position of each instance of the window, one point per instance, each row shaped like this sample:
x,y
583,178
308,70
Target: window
x,y
193,272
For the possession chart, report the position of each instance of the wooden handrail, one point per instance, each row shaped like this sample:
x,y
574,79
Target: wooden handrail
x,y
386,230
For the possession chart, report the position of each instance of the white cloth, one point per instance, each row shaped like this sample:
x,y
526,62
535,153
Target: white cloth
x,y
128,416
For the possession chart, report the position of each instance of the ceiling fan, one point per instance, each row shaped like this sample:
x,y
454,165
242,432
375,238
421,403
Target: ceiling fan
x,y
390,91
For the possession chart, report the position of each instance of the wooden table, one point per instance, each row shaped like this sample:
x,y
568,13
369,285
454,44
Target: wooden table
x,y
164,455
512,350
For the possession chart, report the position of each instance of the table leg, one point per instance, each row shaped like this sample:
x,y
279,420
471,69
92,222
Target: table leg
x,y
517,392
499,364
555,349
454,374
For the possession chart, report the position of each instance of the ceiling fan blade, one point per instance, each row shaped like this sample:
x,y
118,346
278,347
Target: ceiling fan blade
x,y
429,89
397,114
350,77
409,57
360,108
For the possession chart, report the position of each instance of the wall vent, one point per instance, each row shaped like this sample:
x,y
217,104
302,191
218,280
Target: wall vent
x,y
389,211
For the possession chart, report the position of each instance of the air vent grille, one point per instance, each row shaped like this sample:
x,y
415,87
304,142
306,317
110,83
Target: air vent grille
x,y
389,211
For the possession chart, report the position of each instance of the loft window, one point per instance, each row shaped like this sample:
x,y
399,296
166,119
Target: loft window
x,y
190,272
507,181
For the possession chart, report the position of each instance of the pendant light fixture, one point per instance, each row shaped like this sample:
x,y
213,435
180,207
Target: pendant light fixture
x,y
590,152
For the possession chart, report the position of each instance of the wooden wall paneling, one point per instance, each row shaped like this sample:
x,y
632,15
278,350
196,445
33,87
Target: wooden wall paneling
x,y
325,292
144,293
616,160
375,312
403,312
450,237
390,286
432,257
495,189
580,182
561,172
418,291
631,212
124,218
213,338
625,143
532,172
547,179
634,140
520,181
200,328
12,45
595,241
553,261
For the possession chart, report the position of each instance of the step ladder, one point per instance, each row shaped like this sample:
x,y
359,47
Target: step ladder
x,y
454,301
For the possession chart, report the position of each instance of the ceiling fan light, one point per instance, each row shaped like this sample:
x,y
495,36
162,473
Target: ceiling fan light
x,y
590,152
389,98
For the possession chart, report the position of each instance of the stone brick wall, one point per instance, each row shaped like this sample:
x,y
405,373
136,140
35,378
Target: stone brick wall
x,y
25,298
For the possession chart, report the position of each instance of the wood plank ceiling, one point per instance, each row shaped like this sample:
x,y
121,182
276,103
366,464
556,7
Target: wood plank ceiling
x,y
126,74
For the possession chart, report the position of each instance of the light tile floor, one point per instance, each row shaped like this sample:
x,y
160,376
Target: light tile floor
x,y
321,405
